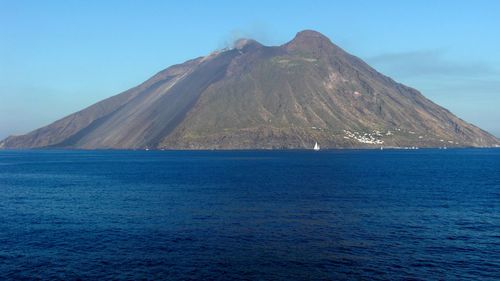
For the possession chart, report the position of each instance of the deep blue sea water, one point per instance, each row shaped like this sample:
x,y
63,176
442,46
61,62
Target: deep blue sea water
x,y
251,215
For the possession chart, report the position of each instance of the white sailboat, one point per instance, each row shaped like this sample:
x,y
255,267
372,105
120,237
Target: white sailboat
x,y
316,147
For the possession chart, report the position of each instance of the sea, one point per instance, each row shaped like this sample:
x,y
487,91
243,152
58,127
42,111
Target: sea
x,y
424,214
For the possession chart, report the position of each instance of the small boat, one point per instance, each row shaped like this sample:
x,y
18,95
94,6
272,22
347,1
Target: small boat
x,y
316,147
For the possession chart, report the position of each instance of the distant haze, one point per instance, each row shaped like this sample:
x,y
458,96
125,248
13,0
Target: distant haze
x,y
57,57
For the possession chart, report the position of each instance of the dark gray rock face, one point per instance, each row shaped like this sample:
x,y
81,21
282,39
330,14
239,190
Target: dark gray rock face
x,y
253,96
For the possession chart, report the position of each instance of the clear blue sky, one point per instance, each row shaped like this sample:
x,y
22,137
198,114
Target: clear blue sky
x,y
57,57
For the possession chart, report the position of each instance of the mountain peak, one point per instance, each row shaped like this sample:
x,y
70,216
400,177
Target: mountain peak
x,y
244,44
310,34
309,41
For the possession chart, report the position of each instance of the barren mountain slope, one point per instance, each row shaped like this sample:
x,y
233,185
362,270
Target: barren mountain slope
x,y
253,96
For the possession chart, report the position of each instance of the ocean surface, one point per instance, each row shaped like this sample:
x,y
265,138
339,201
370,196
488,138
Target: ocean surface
x,y
250,215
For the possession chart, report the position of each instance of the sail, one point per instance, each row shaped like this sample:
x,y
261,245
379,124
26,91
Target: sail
x,y
316,146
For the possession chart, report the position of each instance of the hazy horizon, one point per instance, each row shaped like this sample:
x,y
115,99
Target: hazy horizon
x,y
57,58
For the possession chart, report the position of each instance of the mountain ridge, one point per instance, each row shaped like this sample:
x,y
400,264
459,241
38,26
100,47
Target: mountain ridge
x,y
256,96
